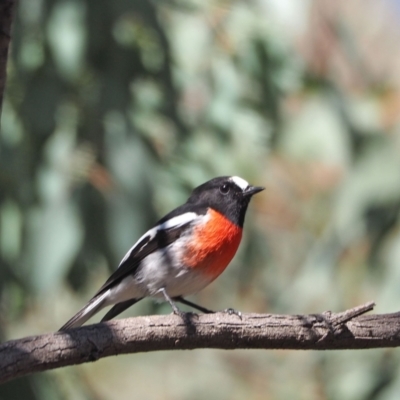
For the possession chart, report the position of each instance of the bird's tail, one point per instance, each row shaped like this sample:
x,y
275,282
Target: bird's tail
x,y
119,308
91,308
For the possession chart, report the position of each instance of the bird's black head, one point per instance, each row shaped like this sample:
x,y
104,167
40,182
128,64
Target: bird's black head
x,y
229,195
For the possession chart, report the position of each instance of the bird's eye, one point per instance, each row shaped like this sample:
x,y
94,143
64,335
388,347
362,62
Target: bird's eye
x,y
224,189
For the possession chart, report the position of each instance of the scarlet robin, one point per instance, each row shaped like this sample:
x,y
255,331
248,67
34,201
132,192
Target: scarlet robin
x,y
183,253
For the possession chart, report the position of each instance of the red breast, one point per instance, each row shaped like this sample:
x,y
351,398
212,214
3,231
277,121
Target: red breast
x,y
214,245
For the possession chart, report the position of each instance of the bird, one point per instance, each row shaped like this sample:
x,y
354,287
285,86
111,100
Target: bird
x,y
181,254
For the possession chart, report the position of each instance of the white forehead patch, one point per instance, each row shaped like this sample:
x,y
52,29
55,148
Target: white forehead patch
x,y
240,182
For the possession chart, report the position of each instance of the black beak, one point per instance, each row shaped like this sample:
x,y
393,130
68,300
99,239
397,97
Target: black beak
x,y
252,190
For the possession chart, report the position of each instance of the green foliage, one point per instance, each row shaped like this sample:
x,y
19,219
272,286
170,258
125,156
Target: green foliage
x,y
114,110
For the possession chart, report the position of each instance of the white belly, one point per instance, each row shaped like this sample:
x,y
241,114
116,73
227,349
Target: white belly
x,y
158,270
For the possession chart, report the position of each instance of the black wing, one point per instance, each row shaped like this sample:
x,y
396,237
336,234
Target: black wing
x,y
150,243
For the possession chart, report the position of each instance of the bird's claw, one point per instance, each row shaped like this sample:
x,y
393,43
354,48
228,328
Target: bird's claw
x,y
232,311
179,313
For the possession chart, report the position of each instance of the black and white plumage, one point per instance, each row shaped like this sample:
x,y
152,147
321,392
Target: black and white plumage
x,y
158,265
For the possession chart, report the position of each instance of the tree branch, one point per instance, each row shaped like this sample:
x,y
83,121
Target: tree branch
x,y
6,11
327,331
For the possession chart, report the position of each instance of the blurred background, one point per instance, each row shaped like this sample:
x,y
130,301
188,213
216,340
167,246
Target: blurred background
x,y
115,110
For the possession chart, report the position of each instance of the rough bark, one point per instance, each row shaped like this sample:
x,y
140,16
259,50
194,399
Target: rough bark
x,y
326,331
6,12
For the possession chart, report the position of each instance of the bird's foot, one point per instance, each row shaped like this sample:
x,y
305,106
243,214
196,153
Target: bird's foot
x,y
232,311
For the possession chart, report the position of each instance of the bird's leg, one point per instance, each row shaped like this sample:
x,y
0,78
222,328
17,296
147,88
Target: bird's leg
x,y
173,305
193,305
229,311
